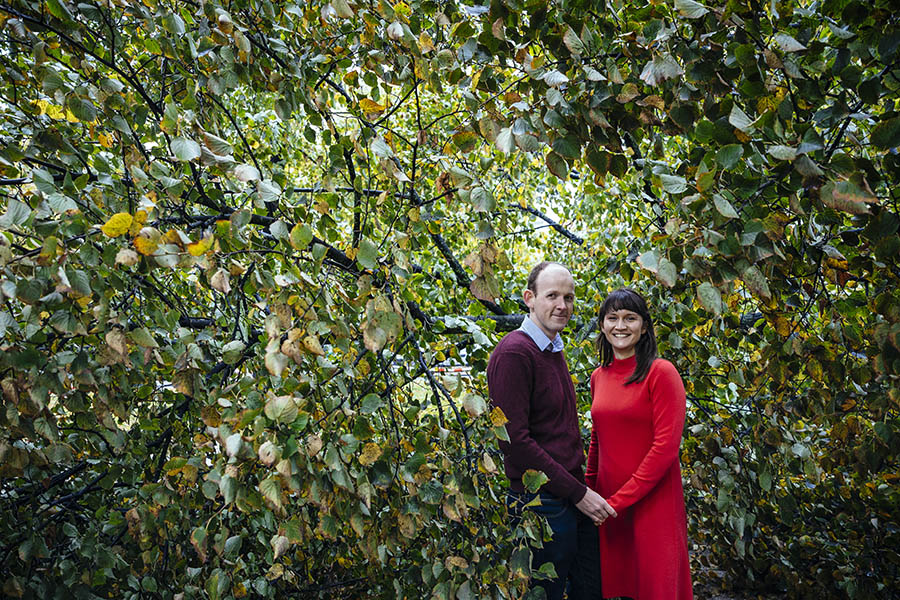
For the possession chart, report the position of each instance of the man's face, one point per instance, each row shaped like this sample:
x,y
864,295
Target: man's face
x,y
552,302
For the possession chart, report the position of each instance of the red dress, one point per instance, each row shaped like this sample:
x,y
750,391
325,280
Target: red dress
x,y
633,463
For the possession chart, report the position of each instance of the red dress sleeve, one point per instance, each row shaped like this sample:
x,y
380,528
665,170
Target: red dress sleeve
x,y
668,406
593,459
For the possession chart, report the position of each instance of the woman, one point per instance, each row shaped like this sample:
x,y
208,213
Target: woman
x,y
638,411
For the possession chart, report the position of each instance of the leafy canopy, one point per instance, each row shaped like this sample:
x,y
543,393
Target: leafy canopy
x,y
240,242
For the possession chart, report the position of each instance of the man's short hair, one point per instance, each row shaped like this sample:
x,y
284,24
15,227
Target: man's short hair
x,y
536,270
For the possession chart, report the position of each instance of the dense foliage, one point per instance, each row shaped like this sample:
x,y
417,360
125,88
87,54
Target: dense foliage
x,y
241,241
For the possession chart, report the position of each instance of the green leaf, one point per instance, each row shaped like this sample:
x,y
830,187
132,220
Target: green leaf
x,y
380,148
80,281
788,43
807,167
528,142
756,282
840,32
690,9
246,173
782,152
270,488
16,214
649,260
765,480
724,207
367,256
301,235
505,140
279,231
466,141
370,404
482,199
474,405
710,298
173,24
232,351
740,120
142,337
342,9
228,486
573,42
459,177
216,144
268,191
382,328
800,450
555,79
667,273
233,444
660,69
282,409
82,109
846,196
59,10
729,155
673,184
185,149
533,480
887,134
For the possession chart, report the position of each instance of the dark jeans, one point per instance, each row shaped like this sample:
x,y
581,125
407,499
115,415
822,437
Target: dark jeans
x,y
574,549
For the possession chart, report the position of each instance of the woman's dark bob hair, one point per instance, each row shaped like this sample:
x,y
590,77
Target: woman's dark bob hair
x,y
645,351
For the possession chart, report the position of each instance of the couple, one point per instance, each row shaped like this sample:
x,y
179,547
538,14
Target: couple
x,y
624,520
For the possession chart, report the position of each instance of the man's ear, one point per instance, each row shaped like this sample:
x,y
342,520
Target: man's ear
x,y
528,297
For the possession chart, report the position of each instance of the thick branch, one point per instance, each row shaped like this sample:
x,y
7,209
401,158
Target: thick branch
x,y
565,232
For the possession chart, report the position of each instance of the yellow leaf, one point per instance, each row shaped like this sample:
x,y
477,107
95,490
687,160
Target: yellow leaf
x,y
370,106
450,512
498,419
781,325
140,217
200,247
475,79
456,561
371,452
147,241
425,43
407,525
117,225
312,344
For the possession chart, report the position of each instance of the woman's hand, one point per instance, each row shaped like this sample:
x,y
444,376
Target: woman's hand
x,y
595,507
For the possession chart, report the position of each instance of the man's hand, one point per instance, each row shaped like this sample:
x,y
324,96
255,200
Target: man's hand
x,y
595,507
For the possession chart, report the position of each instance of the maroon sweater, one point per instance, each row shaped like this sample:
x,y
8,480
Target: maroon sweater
x,y
535,392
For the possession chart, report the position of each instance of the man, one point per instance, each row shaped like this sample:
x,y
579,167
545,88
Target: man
x,y
529,380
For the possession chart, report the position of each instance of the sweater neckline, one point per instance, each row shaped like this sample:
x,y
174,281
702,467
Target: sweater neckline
x,y
625,364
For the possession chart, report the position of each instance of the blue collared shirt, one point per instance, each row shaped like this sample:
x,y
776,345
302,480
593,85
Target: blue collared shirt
x,y
540,338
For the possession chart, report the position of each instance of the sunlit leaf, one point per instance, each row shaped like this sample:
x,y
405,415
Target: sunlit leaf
x,y
117,225
185,149
710,298
690,8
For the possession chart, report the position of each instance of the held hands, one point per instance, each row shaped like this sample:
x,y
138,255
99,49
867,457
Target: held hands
x,y
595,507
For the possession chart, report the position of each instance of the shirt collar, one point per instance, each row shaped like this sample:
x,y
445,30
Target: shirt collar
x,y
540,338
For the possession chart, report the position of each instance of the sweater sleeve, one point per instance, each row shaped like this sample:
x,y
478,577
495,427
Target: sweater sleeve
x,y
509,383
668,405
593,459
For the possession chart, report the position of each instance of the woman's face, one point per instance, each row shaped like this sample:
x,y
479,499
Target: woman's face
x,y
623,328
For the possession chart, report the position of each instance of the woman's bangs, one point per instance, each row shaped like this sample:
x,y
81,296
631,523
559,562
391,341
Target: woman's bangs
x,y
623,300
